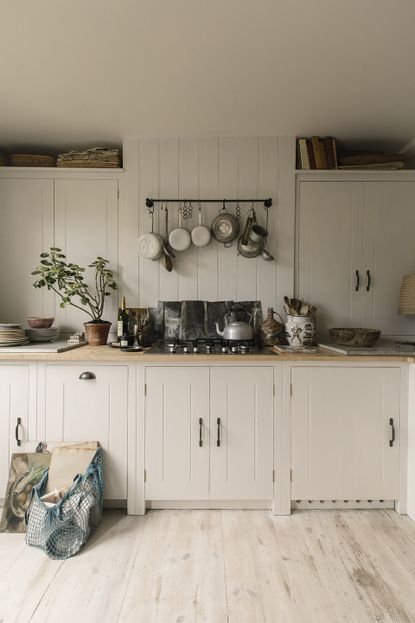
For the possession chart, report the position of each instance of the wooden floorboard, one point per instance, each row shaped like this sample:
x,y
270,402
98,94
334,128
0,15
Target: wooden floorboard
x,y
220,567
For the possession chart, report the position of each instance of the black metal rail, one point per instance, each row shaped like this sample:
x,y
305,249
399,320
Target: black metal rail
x,y
150,202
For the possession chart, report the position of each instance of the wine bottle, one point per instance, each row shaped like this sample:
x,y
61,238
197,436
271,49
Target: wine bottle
x,y
122,321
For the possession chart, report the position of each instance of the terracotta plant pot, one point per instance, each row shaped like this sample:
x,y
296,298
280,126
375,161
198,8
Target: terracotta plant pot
x,y
97,332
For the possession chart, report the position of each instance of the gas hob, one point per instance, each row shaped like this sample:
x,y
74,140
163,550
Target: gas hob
x,y
206,347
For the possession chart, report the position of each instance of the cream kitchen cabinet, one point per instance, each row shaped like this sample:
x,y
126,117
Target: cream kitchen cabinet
x,y
74,210
345,434
88,402
86,226
241,425
15,410
209,433
26,207
177,433
354,244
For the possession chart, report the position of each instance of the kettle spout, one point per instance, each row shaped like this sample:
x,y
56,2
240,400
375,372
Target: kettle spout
x,y
218,331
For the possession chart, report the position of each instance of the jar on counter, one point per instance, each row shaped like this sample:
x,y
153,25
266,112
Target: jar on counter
x,y
271,330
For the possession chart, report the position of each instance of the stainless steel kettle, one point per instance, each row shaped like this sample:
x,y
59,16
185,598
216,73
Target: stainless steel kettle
x,y
236,330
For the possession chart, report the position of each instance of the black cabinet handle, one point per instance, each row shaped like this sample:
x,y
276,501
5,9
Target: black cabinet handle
x,y
16,432
393,432
368,280
357,281
218,439
200,432
87,376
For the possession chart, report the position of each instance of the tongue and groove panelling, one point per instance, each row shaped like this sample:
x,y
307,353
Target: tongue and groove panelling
x,y
207,168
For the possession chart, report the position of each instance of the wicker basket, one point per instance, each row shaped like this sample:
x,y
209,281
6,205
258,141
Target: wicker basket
x,y
31,160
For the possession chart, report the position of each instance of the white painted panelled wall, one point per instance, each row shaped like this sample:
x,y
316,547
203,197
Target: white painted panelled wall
x,y
208,168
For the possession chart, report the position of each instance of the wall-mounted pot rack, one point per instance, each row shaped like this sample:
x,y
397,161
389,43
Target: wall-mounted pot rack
x,y
150,202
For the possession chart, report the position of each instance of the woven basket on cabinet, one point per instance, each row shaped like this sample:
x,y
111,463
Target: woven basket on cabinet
x,y
31,160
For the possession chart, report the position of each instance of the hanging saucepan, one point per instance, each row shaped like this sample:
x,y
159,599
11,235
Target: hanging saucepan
x,y
200,234
225,227
150,245
179,238
250,249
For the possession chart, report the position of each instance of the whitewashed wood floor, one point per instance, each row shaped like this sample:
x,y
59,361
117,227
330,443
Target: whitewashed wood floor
x,y
217,566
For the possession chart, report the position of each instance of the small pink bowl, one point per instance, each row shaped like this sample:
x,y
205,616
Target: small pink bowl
x,y
40,323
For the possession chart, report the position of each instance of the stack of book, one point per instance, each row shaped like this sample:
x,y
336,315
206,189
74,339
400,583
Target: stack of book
x,y
316,153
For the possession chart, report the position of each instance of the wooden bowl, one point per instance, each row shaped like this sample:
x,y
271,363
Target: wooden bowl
x,y
40,323
354,337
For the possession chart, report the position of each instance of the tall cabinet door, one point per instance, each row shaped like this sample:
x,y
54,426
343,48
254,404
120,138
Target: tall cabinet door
x,y
86,226
14,404
26,217
177,433
329,251
342,434
241,433
389,229
89,409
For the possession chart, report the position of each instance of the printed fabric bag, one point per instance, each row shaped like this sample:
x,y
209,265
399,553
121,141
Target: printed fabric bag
x,y
63,528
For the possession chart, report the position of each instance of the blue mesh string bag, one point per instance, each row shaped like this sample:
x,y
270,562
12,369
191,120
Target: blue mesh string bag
x,y
61,530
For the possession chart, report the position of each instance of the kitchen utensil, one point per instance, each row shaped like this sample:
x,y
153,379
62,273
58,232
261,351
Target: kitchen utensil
x,y
258,233
201,235
168,263
251,249
266,255
296,304
166,245
150,245
250,221
179,238
40,323
225,227
354,337
236,330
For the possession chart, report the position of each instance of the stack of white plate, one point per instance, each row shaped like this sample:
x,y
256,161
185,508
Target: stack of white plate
x,y
12,335
42,335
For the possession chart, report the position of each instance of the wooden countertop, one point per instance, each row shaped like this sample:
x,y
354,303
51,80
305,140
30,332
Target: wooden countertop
x,y
98,354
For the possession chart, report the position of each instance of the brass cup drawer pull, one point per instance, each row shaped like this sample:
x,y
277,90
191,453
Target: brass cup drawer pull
x,y
87,376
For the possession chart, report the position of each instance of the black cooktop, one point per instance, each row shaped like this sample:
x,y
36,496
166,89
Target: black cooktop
x,y
206,347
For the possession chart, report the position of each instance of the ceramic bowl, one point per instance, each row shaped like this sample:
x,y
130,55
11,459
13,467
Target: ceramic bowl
x,y
354,337
40,323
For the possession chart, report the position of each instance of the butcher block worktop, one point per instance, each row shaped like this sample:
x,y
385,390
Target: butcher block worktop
x,y
104,354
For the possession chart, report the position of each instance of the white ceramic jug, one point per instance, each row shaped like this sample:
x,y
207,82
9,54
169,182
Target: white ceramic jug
x,y
300,330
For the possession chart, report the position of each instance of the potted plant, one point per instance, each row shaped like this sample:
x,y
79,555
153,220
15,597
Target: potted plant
x,y
67,281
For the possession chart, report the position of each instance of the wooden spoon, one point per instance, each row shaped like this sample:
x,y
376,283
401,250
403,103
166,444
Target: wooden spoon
x,y
168,263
